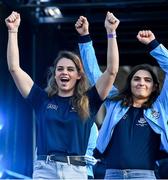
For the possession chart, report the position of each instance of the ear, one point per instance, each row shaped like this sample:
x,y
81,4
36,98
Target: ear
x,y
79,76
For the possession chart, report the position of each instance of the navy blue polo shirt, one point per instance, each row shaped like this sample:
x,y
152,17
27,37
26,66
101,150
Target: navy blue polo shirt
x,y
59,128
134,145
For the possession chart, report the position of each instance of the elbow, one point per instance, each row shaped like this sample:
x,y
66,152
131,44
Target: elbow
x,y
12,70
113,72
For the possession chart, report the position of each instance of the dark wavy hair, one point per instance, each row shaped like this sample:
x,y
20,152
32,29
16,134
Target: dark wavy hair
x,y
125,95
79,101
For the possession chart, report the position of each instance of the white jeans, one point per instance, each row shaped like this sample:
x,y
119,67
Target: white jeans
x,y
58,170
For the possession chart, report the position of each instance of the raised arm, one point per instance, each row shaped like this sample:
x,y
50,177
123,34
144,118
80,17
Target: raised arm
x,y
106,80
160,53
22,80
87,51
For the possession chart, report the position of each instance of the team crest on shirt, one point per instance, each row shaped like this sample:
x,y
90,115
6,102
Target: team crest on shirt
x,y
52,106
141,122
155,114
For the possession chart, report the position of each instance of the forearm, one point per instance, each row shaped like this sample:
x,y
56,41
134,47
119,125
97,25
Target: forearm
x,y
112,56
13,51
160,53
89,59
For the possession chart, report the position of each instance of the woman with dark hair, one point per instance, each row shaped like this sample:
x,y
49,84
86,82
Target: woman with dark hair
x,y
125,95
135,128
65,110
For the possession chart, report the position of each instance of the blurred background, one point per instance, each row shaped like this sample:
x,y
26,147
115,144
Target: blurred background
x,y
47,27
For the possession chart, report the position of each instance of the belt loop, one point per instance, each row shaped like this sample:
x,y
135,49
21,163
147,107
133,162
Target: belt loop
x,y
47,159
68,159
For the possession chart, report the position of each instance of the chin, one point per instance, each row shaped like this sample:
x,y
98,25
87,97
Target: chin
x,y
142,97
66,90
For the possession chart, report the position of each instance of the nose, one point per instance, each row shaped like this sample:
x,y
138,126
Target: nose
x,y
65,71
141,82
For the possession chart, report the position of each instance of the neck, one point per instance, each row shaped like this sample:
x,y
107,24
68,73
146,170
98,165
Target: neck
x,y
65,94
138,102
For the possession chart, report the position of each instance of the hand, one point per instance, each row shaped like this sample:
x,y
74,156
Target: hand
x,y
111,22
82,26
145,36
13,21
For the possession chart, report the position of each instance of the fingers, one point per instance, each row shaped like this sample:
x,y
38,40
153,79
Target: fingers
x,y
12,18
82,20
145,36
144,33
111,18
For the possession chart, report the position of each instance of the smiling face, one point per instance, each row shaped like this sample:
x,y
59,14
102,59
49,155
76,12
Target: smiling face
x,y
66,76
142,85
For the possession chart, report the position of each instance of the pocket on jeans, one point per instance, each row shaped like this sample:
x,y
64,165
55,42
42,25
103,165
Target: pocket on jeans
x,y
79,168
39,164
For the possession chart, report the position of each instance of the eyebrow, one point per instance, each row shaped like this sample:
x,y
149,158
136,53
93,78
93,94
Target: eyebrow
x,y
67,66
146,77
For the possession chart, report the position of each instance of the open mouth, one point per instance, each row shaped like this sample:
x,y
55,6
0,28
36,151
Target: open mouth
x,y
65,79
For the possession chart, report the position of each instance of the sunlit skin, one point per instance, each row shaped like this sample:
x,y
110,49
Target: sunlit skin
x,y
142,86
66,76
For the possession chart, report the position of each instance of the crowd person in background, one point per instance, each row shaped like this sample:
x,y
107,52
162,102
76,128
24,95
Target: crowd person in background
x,y
65,110
135,127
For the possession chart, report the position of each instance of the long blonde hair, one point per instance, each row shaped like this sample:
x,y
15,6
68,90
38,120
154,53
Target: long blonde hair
x,y
80,100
